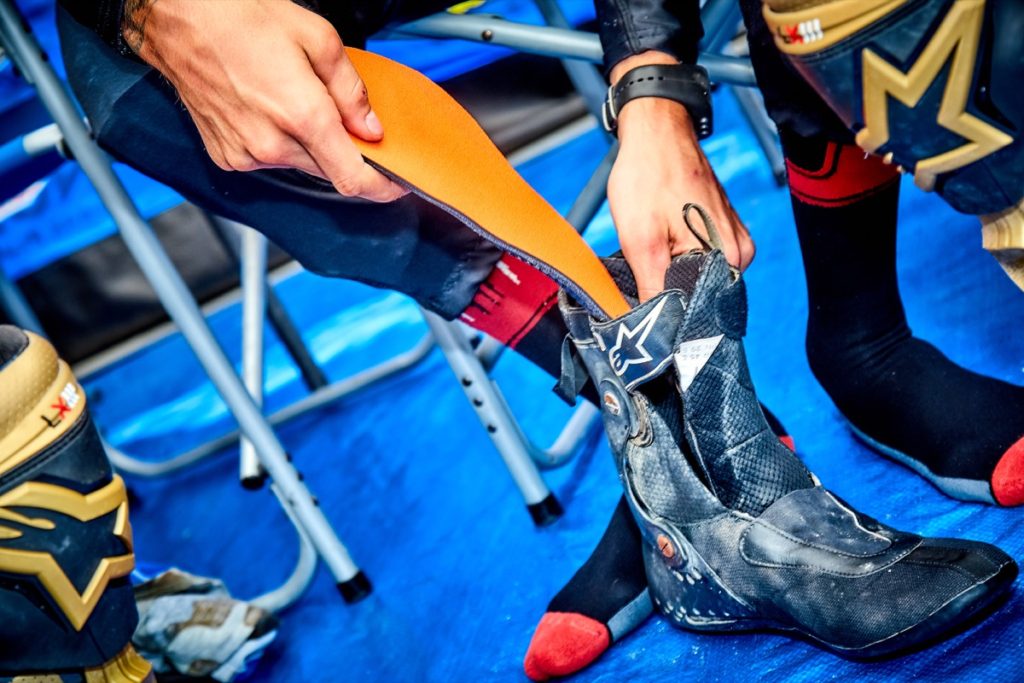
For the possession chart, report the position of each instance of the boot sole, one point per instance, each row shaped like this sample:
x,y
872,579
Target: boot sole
x,y
127,667
958,612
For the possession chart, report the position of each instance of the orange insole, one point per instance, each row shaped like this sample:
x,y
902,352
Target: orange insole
x,y
433,146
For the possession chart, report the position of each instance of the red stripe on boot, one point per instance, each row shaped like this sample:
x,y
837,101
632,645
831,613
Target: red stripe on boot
x,y
563,644
846,176
1008,476
511,301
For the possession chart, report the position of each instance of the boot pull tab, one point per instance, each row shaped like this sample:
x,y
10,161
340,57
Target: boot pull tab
x,y
574,375
709,225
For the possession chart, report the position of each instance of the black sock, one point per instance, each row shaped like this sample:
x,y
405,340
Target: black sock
x,y
605,599
611,578
902,395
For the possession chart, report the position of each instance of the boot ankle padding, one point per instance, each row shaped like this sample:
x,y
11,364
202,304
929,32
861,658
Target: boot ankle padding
x,y
128,667
805,26
12,342
39,402
795,5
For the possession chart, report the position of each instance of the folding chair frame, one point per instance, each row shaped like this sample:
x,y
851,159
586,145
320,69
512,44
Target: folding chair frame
x,y
25,52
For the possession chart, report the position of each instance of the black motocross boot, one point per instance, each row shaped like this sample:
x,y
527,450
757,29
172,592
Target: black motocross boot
x,y
738,534
67,612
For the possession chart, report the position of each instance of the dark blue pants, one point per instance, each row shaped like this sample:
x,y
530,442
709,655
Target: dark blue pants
x,y
409,245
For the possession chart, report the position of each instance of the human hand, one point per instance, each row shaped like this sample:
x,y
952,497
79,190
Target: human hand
x,y
659,168
268,85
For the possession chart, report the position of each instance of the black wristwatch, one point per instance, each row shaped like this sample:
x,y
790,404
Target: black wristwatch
x,y
685,83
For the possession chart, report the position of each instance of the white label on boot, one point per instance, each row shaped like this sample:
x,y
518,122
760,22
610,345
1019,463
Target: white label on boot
x,y
692,356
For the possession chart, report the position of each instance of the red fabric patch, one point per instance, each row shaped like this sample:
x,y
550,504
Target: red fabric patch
x,y
846,176
788,442
564,643
511,301
1008,476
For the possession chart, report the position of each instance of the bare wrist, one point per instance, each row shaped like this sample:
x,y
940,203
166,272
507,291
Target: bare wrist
x,y
655,118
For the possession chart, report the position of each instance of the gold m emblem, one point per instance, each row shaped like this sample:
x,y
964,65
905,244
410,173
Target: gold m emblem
x,y
956,39
84,507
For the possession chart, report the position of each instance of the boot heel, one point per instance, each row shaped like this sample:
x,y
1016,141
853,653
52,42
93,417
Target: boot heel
x,y
691,594
126,667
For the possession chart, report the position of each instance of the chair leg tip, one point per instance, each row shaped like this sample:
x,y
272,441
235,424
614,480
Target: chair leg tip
x,y
356,588
254,482
546,511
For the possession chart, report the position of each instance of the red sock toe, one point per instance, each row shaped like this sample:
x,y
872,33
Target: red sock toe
x,y
1008,477
564,643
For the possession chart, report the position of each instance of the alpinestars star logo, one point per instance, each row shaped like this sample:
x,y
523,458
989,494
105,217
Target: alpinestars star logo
x,y
955,42
43,558
629,344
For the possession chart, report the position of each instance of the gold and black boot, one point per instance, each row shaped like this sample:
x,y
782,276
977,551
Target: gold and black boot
x,y
932,86
67,611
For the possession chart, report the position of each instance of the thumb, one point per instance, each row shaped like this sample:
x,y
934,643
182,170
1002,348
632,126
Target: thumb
x,y
333,67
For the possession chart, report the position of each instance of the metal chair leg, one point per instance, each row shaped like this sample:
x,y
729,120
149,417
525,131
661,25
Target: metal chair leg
x,y
753,109
254,309
494,413
584,425
277,316
298,581
591,197
584,77
721,19
323,397
285,595
174,295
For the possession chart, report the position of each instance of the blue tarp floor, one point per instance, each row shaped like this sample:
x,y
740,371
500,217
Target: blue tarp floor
x,y
419,495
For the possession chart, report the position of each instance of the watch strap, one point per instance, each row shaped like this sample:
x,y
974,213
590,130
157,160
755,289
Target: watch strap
x,y
687,84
